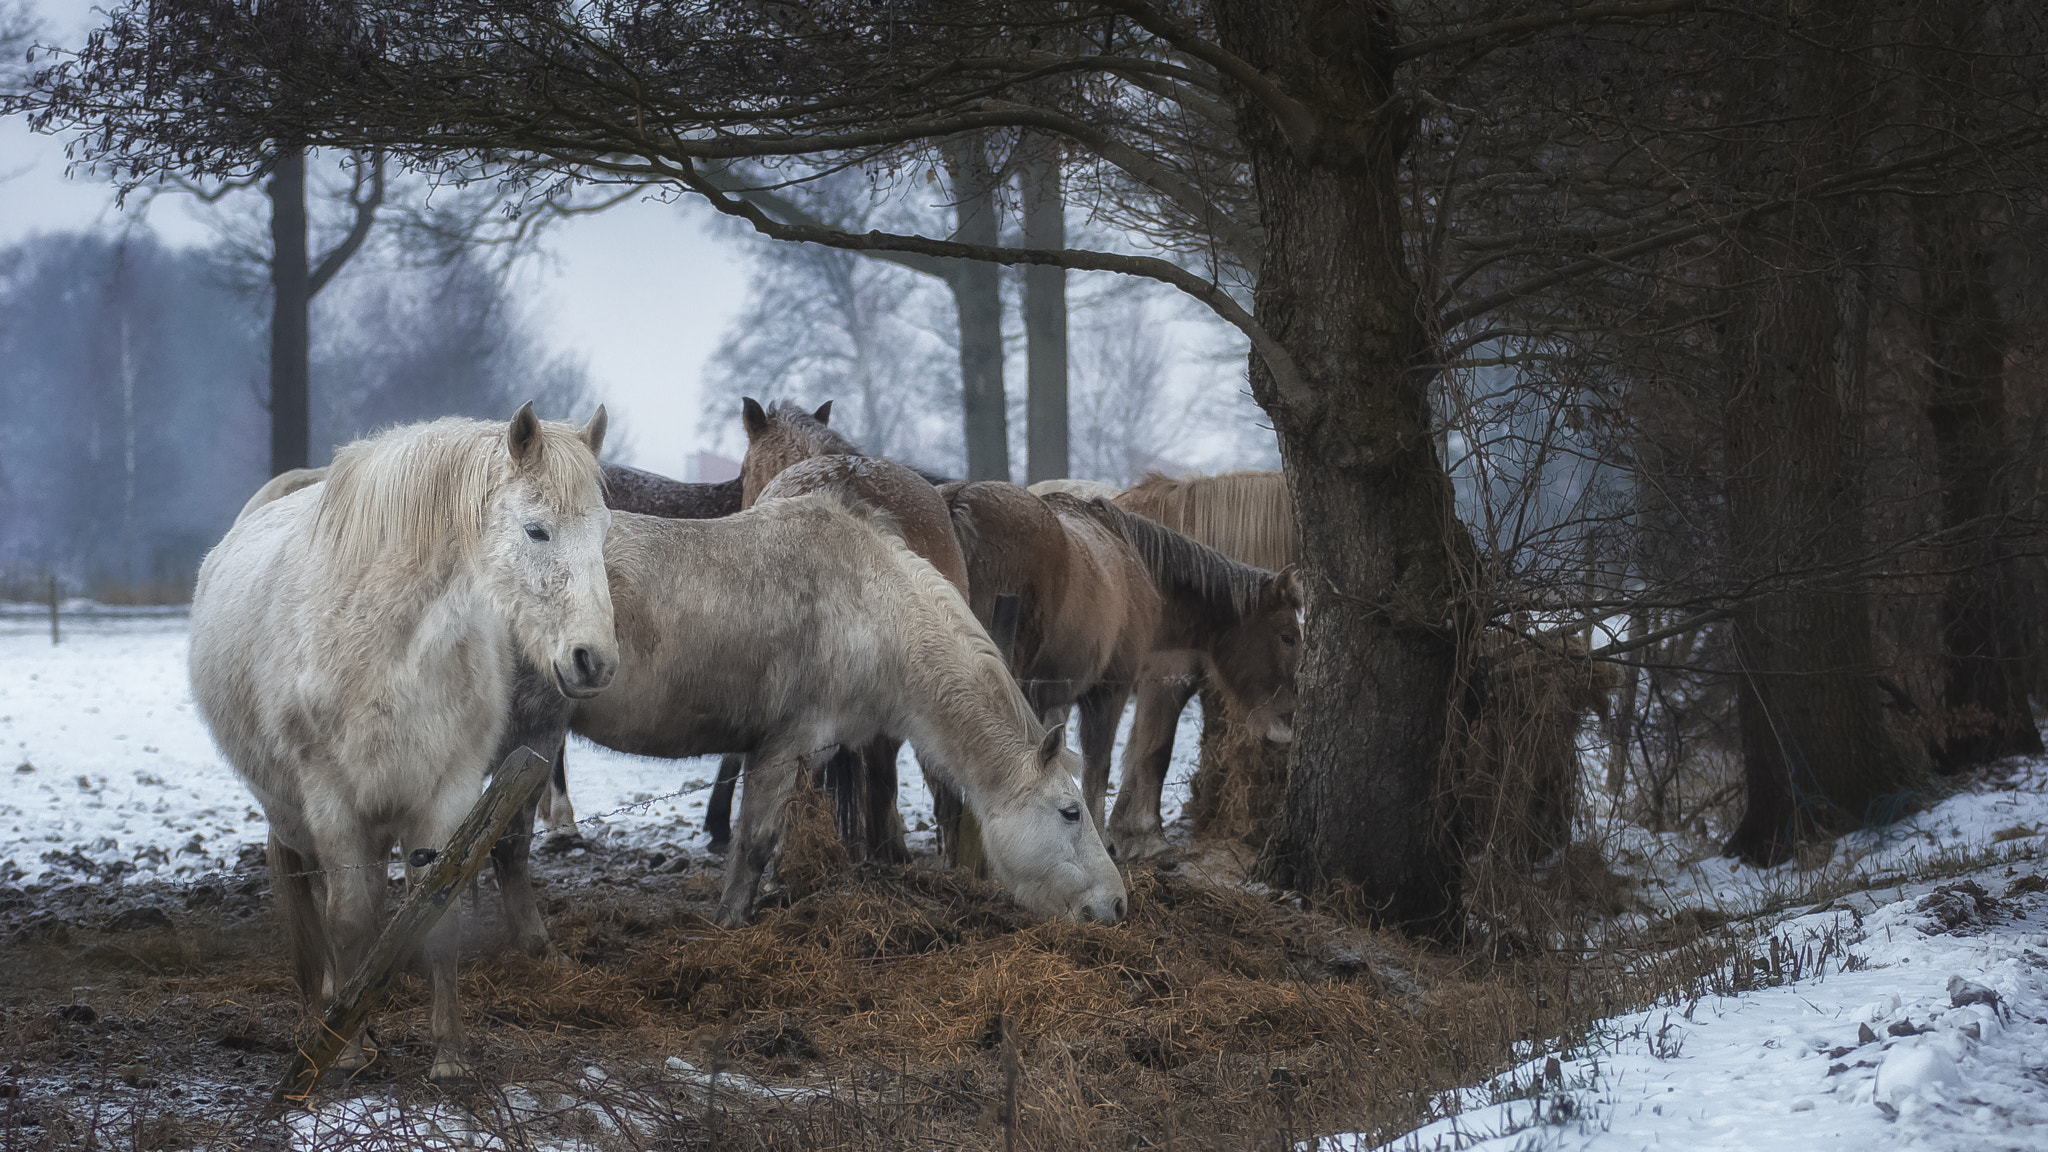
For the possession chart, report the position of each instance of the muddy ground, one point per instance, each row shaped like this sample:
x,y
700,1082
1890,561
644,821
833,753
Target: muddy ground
x,y
868,1007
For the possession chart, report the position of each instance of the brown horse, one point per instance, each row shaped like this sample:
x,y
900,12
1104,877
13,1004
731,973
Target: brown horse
x,y
791,452
1112,601
1247,516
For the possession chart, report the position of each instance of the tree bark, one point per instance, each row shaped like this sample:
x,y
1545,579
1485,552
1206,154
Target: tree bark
x,y
978,298
290,318
1363,805
1045,316
1818,758
1984,689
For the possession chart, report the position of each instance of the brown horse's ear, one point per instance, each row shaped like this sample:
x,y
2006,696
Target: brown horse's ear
x,y
593,432
824,413
752,416
1055,740
1285,589
524,436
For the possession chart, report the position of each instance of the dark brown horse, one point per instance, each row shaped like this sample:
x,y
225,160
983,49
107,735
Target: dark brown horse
x,y
1111,601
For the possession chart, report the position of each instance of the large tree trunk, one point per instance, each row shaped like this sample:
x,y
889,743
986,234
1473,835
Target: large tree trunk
x,y
1363,806
978,298
290,320
1045,317
1818,758
1984,689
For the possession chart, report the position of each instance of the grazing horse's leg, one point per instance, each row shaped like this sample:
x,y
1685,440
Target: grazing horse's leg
x,y
885,831
718,812
846,783
557,814
512,855
771,773
1164,688
1102,707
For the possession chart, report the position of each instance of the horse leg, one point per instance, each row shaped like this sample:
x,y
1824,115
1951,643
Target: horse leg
x,y
443,943
885,831
770,776
718,811
352,884
1135,827
1101,708
512,855
557,814
846,784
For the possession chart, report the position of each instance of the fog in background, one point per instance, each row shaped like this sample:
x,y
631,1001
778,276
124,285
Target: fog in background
x,y
133,349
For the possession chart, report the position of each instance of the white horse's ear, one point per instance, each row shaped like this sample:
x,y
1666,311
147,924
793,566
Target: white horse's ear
x,y
824,413
593,432
1050,747
752,416
524,436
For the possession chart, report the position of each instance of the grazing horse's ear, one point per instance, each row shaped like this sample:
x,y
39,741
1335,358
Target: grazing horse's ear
x,y
824,413
593,432
1286,589
1050,747
752,416
524,436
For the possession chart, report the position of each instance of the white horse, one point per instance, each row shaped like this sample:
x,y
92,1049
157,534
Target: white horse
x,y
807,623
353,647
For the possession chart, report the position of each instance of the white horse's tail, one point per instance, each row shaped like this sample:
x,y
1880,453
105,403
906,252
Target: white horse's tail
x,y
291,890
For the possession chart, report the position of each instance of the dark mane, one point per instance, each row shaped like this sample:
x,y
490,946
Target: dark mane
x,y
1176,563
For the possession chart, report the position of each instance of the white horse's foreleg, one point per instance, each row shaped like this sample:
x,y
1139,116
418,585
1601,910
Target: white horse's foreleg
x,y
758,839
557,814
512,855
1134,827
353,883
443,943
1101,709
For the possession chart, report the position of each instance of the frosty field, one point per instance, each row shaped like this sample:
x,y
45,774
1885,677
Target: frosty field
x,y
1910,1009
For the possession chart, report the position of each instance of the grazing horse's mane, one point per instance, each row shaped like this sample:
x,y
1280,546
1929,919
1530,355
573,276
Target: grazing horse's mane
x,y
1175,562
418,494
1244,515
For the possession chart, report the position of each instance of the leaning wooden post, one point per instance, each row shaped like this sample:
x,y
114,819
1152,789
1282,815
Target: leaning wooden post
x,y
450,871
1003,630
53,611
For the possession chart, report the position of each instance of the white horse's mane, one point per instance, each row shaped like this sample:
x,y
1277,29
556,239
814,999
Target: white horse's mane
x,y
418,494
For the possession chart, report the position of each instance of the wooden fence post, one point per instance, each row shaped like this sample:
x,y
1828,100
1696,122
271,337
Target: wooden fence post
x,y
452,869
53,611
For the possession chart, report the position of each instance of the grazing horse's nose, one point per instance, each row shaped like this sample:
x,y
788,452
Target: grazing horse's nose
x,y
590,669
586,665
1119,908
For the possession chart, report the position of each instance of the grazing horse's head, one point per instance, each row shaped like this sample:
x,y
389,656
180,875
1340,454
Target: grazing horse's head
x,y
780,435
1256,656
1043,846
542,537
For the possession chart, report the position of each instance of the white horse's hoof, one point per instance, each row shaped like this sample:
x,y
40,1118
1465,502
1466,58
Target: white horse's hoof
x,y
1132,847
451,1072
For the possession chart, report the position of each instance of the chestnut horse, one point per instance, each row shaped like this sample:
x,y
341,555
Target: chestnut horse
x,y
1113,602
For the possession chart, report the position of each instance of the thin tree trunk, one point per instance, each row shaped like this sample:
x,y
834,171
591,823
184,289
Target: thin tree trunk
x,y
1363,805
290,322
1984,690
978,298
1045,317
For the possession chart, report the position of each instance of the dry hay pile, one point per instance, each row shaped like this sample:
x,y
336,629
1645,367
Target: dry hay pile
x,y
1236,789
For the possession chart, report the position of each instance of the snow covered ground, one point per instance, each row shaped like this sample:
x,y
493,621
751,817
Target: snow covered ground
x,y
106,771
1926,1027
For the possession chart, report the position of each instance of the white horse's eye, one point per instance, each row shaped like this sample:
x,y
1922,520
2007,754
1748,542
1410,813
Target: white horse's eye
x,y
1072,812
536,532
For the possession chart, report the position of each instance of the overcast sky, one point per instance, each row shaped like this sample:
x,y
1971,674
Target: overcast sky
x,y
641,292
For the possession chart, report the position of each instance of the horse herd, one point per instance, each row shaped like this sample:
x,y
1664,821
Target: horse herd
x,y
371,638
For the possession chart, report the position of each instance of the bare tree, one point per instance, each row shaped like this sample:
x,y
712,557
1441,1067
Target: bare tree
x,y
1333,149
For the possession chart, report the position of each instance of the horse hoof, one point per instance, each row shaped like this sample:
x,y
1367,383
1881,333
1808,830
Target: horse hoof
x,y
729,917
554,957
1136,846
450,1072
718,847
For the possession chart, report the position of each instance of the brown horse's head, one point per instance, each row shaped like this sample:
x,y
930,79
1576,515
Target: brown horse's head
x,y
1255,657
780,435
